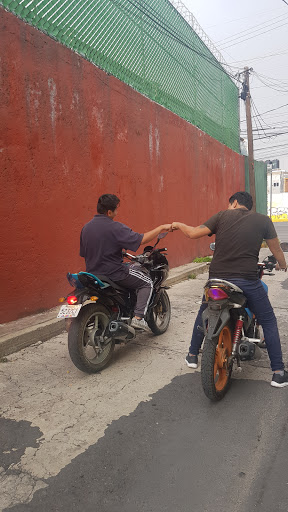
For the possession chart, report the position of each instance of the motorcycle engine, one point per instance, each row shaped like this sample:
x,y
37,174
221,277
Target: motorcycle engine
x,y
246,350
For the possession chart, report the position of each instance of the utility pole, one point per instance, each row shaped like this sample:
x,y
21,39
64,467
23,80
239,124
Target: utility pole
x,y
246,96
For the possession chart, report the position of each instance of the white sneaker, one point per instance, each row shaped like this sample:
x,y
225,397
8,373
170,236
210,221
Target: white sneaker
x,y
140,324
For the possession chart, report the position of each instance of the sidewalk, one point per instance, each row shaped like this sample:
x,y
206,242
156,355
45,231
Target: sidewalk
x,y
38,328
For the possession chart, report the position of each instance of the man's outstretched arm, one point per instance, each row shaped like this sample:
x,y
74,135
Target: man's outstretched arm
x,y
147,237
274,246
190,231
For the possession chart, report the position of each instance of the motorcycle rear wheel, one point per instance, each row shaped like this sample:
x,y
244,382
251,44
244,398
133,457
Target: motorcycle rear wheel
x,y
83,335
160,315
215,370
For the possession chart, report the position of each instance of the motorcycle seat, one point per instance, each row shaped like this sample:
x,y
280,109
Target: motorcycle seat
x,y
106,279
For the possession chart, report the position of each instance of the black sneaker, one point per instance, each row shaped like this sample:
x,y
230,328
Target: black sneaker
x,y
279,381
191,361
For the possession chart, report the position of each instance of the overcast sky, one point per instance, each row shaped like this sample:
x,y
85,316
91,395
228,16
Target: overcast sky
x,y
224,21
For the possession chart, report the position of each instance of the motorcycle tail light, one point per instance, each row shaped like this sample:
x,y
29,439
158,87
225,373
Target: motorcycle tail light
x,y
72,299
217,294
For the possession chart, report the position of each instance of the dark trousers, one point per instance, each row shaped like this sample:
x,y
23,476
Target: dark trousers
x,y
259,303
140,281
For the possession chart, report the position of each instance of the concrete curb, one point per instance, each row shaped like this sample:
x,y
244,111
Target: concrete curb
x,y
27,331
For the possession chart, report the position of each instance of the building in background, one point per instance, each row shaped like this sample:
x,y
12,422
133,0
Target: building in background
x,y
277,191
243,146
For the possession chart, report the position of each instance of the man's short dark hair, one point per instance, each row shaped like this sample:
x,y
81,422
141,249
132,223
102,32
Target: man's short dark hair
x,y
243,198
107,202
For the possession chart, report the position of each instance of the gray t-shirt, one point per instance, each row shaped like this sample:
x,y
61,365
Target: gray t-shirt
x,y
101,243
239,235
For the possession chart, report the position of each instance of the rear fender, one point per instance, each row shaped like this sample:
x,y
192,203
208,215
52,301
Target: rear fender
x,y
214,320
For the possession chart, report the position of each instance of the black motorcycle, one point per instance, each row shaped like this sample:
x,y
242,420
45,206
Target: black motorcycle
x,y
98,312
232,332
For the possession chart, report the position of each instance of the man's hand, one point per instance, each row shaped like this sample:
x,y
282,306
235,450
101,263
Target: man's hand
x,y
175,225
274,246
167,227
280,268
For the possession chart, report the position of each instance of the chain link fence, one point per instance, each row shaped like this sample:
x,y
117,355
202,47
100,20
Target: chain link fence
x,y
148,45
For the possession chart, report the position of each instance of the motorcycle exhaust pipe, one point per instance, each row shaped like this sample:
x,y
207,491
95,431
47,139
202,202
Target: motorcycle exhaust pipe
x,y
120,330
248,350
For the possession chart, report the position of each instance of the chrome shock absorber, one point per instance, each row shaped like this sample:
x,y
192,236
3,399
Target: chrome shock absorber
x,y
237,335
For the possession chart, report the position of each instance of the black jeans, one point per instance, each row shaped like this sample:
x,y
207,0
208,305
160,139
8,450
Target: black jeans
x,y
259,303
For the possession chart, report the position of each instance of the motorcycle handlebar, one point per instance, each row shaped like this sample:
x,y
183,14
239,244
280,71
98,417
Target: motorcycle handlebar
x,y
142,258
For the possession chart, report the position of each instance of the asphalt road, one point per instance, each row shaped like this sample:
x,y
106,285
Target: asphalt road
x,y
141,436
282,230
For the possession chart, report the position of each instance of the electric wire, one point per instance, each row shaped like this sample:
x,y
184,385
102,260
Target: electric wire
x,y
160,25
257,117
244,18
275,85
271,136
261,57
272,147
252,37
250,30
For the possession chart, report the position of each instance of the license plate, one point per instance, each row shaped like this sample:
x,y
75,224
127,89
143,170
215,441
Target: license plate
x,y
68,311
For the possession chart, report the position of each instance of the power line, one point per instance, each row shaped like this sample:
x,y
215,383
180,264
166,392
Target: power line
x,y
278,89
278,114
244,18
261,58
249,30
253,36
272,79
273,83
259,117
158,21
272,109
276,155
272,147
271,136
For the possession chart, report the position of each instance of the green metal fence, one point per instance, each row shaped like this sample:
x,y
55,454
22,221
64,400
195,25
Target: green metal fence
x,y
148,45
260,170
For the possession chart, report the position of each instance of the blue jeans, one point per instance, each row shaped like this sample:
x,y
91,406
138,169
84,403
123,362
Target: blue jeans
x,y
258,302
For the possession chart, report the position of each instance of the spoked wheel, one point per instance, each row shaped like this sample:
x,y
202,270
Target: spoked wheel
x,y
215,367
160,315
87,348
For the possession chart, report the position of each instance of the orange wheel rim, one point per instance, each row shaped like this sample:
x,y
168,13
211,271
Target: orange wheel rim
x,y
223,352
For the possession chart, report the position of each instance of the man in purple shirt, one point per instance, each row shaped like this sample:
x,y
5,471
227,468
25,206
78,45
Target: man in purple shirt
x,y
101,243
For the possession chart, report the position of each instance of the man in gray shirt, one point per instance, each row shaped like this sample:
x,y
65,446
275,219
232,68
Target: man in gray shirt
x,y
239,235
101,243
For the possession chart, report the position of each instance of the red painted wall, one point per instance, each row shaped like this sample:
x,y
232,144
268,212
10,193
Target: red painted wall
x,y
70,133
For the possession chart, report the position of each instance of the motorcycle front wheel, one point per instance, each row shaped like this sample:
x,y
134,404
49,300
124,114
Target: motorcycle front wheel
x,y
215,368
86,347
160,315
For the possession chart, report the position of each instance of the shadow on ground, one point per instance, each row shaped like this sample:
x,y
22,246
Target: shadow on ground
x,y
178,453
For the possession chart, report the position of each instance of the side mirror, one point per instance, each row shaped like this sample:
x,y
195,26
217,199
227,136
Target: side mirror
x,y
162,235
212,246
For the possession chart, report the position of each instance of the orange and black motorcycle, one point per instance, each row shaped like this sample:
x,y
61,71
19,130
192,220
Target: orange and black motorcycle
x,y
232,332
